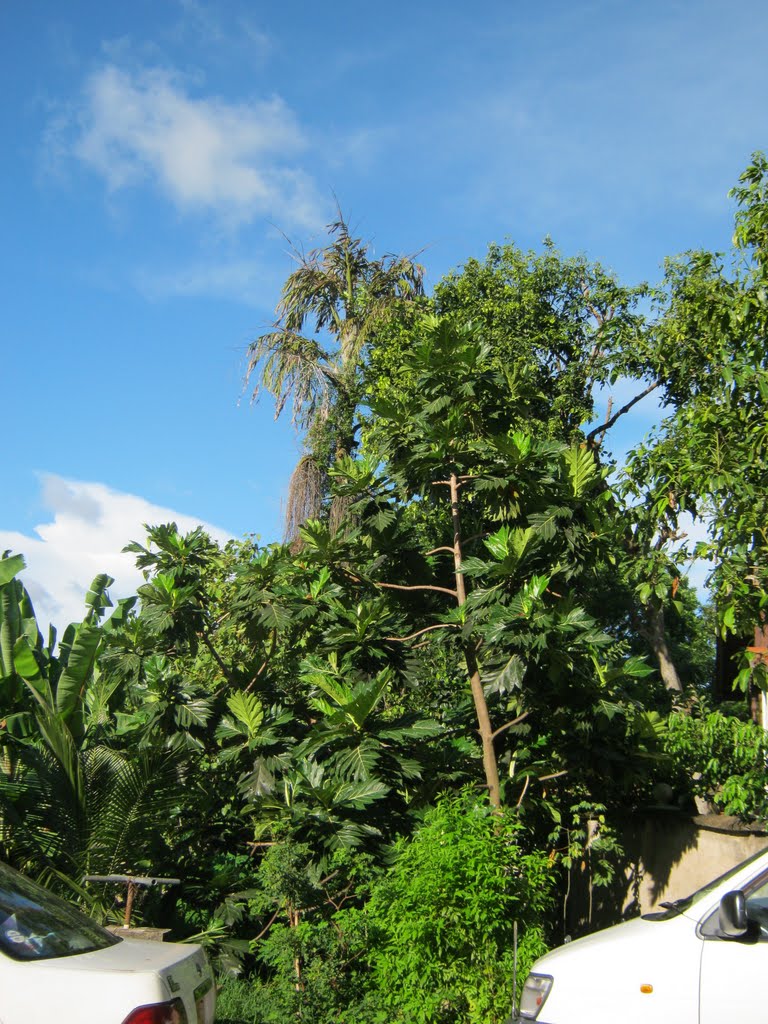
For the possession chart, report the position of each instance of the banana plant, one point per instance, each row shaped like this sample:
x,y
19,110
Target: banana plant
x,y
57,679
17,619
69,804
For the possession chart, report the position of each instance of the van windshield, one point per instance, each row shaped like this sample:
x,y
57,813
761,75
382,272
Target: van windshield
x,y
674,907
36,925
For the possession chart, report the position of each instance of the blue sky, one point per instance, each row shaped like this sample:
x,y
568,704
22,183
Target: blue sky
x,y
155,153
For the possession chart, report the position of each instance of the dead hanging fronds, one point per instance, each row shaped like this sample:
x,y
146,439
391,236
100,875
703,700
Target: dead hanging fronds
x,y
306,491
340,520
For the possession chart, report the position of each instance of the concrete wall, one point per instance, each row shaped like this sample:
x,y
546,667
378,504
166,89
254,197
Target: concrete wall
x,y
668,856
678,857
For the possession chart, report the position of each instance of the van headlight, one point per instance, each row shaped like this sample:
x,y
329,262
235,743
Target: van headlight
x,y
535,991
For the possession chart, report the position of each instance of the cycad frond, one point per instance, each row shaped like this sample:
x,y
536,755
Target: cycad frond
x,y
41,818
123,809
128,799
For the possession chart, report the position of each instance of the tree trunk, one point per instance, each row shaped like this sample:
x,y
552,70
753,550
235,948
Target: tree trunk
x,y
658,639
343,444
294,919
470,656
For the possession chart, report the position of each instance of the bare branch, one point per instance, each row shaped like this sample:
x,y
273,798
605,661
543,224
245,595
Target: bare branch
x,y
515,721
461,480
217,657
475,536
397,586
264,663
554,775
267,926
609,409
625,408
441,625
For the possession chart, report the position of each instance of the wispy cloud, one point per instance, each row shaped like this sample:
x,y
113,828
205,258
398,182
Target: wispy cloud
x,y
251,282
90,524
221,30
604,112
235,160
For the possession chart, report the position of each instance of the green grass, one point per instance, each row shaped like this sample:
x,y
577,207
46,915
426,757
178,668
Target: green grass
x,y
237,1003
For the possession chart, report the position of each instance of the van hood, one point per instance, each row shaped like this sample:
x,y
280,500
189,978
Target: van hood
x,y
633,972
634,931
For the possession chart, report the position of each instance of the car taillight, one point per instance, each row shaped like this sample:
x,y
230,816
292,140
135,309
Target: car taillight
x,y
159,1013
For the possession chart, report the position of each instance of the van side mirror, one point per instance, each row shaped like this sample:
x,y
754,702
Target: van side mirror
x,y
733,915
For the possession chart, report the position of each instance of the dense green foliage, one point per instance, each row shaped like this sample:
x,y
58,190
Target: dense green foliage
x,y
720,759
441,923
375,754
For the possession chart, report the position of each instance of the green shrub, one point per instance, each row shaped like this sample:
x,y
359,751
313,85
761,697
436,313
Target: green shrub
x,y
440,924
722,759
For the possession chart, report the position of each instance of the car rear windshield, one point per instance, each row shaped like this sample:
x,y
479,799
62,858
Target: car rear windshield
x,y
36,925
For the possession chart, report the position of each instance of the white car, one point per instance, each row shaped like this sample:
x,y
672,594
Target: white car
x,y
58,965
699,960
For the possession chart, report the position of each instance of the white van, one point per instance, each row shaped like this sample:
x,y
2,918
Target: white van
x,y
699,960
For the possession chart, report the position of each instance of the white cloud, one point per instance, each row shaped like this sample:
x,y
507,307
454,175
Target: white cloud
x,y
90,524
205,154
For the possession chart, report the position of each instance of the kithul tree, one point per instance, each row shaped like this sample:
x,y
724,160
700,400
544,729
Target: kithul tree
x,y
311,359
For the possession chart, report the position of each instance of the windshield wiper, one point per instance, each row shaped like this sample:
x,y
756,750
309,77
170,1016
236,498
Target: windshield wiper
x,y
678,905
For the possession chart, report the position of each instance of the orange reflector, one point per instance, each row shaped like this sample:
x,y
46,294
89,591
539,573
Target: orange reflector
x,y
646,989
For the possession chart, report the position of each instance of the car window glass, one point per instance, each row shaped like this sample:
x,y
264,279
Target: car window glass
x,y
756,894
757,907
36,925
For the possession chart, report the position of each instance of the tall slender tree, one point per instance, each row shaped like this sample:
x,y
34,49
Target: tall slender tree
x,y
311,359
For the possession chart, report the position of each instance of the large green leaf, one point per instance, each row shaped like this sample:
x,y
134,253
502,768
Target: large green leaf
x,y
97,598
10,626
366,696
408,731
358,762
10,566
582,468
75,677
248,710
260,782
359,794
63,747
336,689
509,677
26,665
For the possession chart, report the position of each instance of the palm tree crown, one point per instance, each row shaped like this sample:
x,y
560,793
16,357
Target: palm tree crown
x,y
312,357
